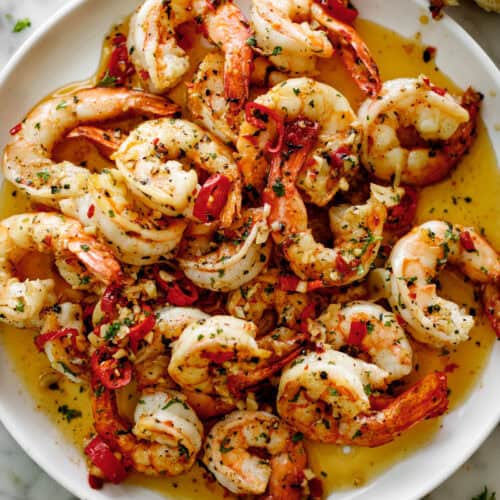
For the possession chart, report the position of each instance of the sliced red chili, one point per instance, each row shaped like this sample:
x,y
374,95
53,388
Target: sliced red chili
x,y
113,373
91,211
450,367
258,115
357,333
139,331
119,66
101,456
16,129
290,283
466,241
218,357
438,90
42,339
212,198
301,133
109,301
401,216
182,293
338,10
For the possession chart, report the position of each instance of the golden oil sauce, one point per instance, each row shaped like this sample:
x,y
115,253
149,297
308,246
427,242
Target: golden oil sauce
x,y
456,199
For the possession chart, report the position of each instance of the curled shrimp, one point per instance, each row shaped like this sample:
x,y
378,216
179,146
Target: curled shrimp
x,y
365,327
138,234
415,261
353,51
159,161
228,455
324,396
284,32
333,160
415,132
220,356
27,159
165,439
21,302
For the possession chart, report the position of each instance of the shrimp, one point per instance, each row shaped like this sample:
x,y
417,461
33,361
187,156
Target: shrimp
x,y
27,162
165,439
220,357
415,132
325,396
161,63
138,234
228,455
284,32
242,252
333,161
414,263
21,302
353,51
491,303
63,340
367,328
159,161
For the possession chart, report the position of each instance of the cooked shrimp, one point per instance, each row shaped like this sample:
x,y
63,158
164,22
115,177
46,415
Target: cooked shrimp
x,y
353,51
242,252
165,439
21,302
228,455
63,340
138,234
27,158
325,396
333,160
415,261
284,32
219,356
368,328
491,302
159,161
415,132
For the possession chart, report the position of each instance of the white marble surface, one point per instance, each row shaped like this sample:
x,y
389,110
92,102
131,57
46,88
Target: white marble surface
x,y
21,479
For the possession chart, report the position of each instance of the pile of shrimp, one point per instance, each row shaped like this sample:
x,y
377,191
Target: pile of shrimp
x,y
220,264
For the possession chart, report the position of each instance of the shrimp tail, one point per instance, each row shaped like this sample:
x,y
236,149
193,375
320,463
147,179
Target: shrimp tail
x,y
151,104
426,399
491,304
105,141
288,476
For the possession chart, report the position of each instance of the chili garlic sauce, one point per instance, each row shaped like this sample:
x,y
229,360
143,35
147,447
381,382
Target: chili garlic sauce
x,y
469,196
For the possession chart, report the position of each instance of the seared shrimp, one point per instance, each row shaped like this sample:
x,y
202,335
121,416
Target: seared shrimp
x,y
219,356
165,439
21,302
241,253
333,160
414,263
27,159
284,32
159,161
325,396
228,455
415,132
138,234
366,327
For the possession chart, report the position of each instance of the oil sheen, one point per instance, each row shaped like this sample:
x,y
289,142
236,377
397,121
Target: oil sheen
x,y
469,196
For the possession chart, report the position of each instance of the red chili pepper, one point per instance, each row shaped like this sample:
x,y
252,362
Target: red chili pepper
x,y
91,211
400,217
288,283
101,456
258,116
308,312
139,331
16,129
182,296
109,300
344,267
466,241
212,198
357,333
316,488
338,156
218,357
338,10
113,373
119,66
42,339
450,367
96,483
401,321
144,74
434,88
301,133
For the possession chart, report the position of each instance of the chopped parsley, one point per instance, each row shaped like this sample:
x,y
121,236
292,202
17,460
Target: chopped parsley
x,y
69,413
279,188
21,25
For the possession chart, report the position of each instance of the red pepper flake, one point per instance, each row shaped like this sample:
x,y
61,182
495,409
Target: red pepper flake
x,y
42,339
450,367
102,457
338,156
288,283
357,333
338,10
16,129
218,357
96,483
258,115
316,488
438,90
401,216
109,301
467,242
344,267
91,211
401,321
212,198
144,74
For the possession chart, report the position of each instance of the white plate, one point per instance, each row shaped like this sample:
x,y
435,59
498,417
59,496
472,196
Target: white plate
x,y
67,49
